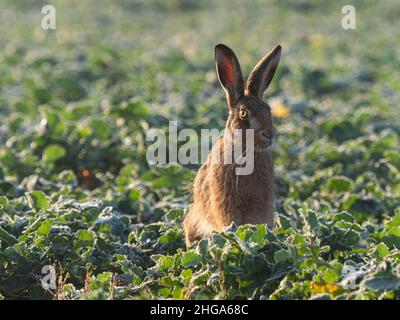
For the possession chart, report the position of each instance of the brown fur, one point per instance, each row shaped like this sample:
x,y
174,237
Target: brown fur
x,y
220,196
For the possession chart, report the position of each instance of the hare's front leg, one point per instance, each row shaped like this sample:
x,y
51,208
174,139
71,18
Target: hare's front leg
x,y
197,225
189,228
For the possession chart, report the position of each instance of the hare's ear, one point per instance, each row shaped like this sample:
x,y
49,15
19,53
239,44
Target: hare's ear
x,y
262,74
229,73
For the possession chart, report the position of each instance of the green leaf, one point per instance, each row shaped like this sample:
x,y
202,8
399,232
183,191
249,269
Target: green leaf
x,y
166,262
133,109
187,274
282,255
395,220
37,200
339,184
393,157
283,221
349,238
312,220
382,283
177,293
67,177
7,237
174,215
134,195
53,152
164,292
190,259
44,228
260,235
3,202
343,216
381,250
331,276
84,238
100,128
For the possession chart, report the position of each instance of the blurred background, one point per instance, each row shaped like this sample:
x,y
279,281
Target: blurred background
x,y
79,99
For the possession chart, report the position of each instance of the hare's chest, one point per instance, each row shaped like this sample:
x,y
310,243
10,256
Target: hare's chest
x,y
256,188
257,192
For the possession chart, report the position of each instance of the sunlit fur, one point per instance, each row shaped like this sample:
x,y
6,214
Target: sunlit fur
x,y
221,197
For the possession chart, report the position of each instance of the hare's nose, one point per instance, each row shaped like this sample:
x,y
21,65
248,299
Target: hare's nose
x,y
266,135
268,138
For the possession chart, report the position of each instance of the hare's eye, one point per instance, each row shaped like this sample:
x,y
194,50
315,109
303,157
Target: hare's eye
x,y
243,114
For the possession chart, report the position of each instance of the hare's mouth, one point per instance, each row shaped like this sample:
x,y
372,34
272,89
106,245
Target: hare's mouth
x,y
267,142
267,139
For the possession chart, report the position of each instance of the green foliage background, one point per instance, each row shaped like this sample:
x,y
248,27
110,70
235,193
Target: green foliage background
x,y
76,191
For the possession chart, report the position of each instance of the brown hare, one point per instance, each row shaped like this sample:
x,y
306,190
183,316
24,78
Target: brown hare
x,y
220,196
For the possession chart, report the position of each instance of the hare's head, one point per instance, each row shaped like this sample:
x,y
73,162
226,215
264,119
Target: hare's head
x,y
246,108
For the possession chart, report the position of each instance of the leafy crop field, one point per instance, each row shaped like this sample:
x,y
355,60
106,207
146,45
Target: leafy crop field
x,y
77,193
